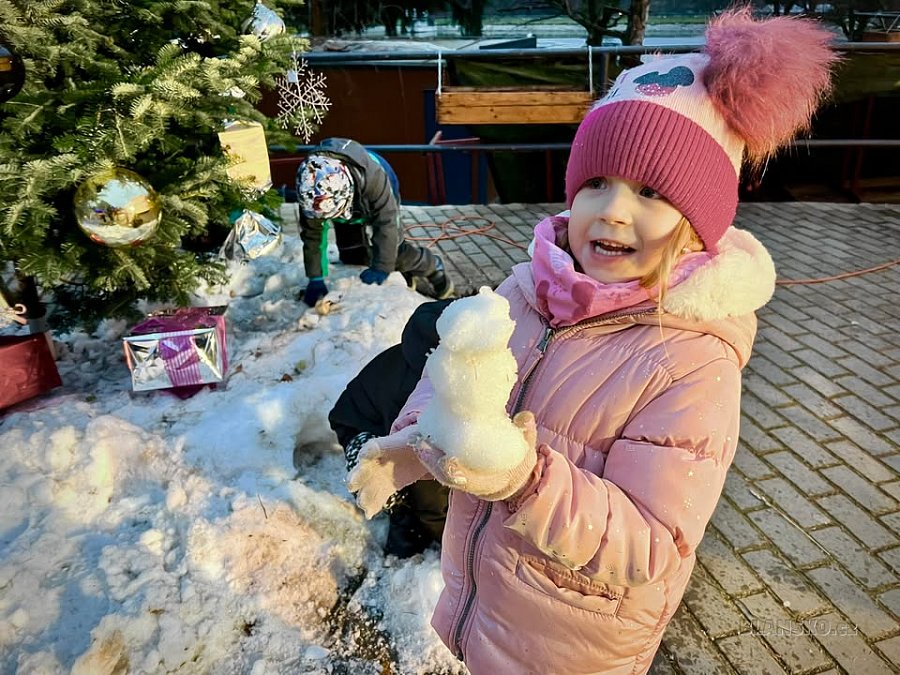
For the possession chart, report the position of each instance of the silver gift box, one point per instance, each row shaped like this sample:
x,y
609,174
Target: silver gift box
x,y
164,359
252,236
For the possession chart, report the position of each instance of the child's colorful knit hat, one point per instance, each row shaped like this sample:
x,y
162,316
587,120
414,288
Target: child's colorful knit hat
x,y
683,125
324,188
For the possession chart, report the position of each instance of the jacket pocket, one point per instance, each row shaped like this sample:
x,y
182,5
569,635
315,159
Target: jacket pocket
x,y
567,586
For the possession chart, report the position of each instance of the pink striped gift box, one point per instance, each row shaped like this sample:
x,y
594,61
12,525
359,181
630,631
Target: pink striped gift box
x,y
185,347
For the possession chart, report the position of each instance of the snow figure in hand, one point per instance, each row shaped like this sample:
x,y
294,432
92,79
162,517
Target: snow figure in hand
x,y
472,372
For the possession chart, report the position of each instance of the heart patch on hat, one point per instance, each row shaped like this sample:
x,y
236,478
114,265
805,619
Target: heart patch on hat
x,y
662,84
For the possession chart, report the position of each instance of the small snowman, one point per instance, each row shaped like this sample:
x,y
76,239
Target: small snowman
x,y
473,372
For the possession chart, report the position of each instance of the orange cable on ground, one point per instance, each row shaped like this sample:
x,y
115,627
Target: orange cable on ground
x,y
836,277
450,231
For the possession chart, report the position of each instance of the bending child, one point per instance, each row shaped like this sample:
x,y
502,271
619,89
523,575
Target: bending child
x,y
633,322
344,186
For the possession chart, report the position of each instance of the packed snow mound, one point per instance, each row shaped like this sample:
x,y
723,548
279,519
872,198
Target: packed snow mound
x,y
145,533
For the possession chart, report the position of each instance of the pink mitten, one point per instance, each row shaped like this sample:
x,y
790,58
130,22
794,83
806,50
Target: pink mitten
x,y
491,486
385,465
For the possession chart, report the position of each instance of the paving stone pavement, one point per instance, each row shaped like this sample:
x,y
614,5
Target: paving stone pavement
x,y
799,571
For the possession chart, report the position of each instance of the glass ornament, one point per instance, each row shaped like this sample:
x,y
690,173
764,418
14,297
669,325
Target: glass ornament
x,y
12,72
117,208
263,23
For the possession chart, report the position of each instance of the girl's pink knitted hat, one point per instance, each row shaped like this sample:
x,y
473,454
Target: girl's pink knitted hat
x,y
683,125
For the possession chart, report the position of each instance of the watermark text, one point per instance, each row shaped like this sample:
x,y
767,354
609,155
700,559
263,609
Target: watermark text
x,y
791,627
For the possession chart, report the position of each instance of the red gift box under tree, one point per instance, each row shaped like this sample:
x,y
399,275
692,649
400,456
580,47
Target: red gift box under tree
x,y
27,368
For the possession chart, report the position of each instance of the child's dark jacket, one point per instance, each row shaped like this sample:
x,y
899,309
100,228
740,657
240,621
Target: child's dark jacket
x,y
373,398
373,201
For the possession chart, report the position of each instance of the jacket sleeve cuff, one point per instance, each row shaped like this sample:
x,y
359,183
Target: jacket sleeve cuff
x,y
531,485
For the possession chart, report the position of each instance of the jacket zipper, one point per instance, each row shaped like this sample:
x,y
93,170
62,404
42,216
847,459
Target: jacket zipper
x,y
470,576
486,515
549,334
542,348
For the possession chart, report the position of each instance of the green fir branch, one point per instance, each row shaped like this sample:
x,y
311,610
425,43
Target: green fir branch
x,y
139,85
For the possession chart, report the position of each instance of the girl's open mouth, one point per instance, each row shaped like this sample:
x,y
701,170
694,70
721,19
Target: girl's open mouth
x,y
607,247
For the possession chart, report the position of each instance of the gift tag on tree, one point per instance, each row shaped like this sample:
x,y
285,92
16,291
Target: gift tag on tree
x,y
245,144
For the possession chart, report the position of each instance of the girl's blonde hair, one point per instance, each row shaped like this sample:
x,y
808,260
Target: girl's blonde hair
x,y
683,239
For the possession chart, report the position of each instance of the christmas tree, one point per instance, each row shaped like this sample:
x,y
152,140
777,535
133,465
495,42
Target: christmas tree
x,y
124,101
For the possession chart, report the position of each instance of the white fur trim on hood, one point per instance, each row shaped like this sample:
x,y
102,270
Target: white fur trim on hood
x,y
737,281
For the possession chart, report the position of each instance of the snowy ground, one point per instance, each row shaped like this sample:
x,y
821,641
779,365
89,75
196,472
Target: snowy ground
x,y
142,533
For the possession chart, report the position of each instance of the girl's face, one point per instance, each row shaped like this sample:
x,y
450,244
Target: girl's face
x,y
618,229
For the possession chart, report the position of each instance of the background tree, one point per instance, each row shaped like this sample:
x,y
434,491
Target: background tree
x,y
469,15
335,18
844,13
139,85
401,14
393,13
603,18
638,14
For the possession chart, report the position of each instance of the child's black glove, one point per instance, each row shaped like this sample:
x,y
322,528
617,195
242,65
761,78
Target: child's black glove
x,y
314,291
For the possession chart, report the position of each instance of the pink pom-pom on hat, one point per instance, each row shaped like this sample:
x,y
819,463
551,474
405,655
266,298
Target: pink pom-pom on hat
x,y
767,78
685,124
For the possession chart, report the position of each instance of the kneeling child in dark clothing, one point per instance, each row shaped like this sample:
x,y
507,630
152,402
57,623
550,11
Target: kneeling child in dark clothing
x,y
343,185
367,408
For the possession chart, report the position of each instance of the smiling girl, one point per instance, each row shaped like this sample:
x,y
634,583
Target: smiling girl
x,y
633,322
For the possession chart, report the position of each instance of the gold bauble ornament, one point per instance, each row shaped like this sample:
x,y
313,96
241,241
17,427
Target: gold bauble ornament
x,y
12,71
117,208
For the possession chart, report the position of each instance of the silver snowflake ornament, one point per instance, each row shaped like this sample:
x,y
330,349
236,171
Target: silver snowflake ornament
x,y
302,102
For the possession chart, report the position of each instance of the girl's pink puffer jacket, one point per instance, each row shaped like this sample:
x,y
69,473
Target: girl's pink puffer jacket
x,y
640,412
